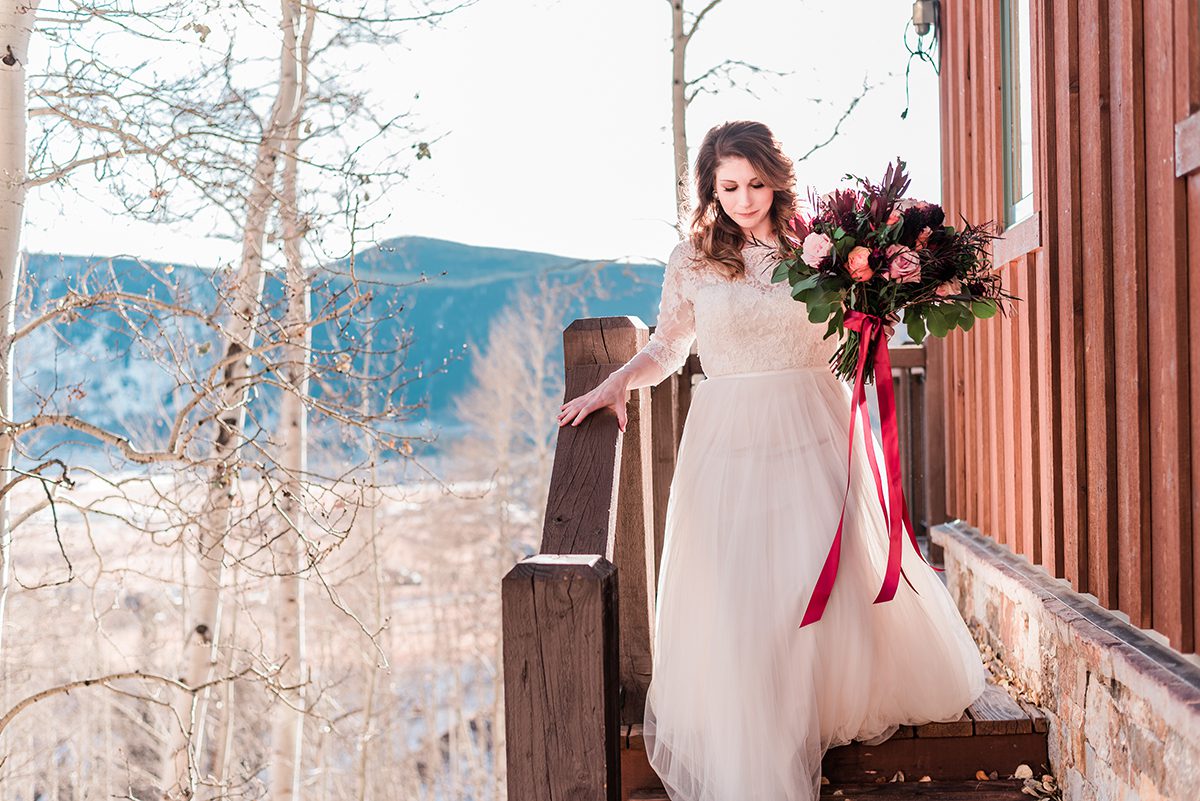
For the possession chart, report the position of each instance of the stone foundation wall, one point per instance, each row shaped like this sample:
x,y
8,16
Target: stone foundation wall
x,y
1123,707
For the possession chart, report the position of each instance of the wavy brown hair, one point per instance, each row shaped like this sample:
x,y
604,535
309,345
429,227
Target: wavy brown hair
x,y
716,237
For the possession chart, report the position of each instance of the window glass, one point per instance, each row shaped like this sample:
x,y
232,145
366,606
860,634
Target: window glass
x,y
1016,75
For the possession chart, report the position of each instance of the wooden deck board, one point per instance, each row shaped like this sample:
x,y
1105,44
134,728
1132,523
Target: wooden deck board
x,y
997,790
997,712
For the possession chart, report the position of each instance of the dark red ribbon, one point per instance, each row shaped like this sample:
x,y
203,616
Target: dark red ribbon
x,y
895,506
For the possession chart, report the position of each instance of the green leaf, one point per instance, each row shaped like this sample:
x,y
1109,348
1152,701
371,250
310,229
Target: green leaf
x,y
839,233
984,309
966,321
827,297
915,324
937,318
807,283
781,272
819,313
835,322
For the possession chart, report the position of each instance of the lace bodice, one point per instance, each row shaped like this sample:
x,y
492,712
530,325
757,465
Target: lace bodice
x,y
740,325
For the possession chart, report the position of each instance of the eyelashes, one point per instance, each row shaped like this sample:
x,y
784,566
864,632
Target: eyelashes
x,y
732,188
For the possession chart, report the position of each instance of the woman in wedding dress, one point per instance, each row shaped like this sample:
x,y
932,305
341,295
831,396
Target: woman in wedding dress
x,y
743,702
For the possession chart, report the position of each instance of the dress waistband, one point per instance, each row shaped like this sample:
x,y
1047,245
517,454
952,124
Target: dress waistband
x,y
784,371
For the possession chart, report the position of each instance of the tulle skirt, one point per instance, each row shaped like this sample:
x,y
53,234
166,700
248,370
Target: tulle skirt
x,y
743,703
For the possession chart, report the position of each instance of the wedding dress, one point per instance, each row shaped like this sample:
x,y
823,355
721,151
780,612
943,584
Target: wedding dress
x,y
743,703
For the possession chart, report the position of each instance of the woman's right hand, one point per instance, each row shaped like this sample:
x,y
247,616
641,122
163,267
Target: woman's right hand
x,y
612,392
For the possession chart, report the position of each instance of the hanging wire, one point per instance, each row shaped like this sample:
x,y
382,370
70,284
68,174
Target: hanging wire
x,y
930,54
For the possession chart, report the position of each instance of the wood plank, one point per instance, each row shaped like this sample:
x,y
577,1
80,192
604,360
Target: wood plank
x,y
998,790
1068,292
935,403
911,788
1168,329
941,758
1037,717
981,141
964,474
1100,379
1029,387
1049,411
664,424
991,207
1187,102
1128,204
1193,194
906,356
1034,335
1187,59
1019,442
997,712
950,152
587,456
962,727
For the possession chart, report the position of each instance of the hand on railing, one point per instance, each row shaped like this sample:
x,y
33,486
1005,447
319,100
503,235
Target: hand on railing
x,y
612,392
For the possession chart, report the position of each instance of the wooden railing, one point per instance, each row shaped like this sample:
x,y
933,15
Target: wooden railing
x,y
579,615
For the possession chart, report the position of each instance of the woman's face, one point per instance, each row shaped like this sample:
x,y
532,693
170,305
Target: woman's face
x,y
744,196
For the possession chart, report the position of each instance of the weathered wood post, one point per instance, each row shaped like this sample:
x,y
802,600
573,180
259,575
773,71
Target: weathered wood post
x,y
576,661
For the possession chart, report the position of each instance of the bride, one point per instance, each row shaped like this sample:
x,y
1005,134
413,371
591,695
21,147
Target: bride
x,y
743,702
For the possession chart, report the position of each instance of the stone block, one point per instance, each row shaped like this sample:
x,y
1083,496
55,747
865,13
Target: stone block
x,y
1124,723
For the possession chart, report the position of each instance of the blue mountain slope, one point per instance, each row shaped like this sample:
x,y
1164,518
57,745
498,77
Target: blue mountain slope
x,y
449,293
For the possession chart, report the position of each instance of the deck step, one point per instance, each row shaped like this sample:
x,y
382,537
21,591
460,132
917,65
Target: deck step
x,y
995,790
996,733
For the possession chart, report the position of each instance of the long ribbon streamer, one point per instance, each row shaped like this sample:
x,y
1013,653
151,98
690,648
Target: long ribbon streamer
x,y
895,507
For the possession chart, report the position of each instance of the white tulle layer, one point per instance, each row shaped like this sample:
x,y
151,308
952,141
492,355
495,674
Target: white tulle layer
x,y
743,703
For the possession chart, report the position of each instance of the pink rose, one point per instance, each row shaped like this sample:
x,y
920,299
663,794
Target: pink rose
x,y
923,237
860,270
904,265
951,287
816,247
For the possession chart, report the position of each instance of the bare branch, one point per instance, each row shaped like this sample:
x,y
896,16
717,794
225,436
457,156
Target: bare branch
x,y
838,125
64,689
700,16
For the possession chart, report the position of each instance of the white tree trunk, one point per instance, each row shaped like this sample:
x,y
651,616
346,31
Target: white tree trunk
x,y
679,43
287,742
16,29
242,315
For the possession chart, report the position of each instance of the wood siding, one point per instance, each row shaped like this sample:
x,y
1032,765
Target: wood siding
x,y
1073,427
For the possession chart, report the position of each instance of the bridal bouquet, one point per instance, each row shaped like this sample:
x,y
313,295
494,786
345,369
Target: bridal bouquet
x,y
869,253
864,256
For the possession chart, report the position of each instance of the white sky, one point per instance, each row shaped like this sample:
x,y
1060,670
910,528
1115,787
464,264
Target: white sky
x,y
555,123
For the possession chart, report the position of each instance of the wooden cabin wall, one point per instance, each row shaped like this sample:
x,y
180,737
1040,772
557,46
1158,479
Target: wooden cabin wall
x,y
1073,426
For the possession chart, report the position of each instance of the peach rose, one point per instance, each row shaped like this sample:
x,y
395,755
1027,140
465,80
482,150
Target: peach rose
x,y
860,270
951,287
894,218
816,247
904,265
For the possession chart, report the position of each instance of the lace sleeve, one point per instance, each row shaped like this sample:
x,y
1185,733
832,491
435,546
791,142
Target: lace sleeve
x,y
675,329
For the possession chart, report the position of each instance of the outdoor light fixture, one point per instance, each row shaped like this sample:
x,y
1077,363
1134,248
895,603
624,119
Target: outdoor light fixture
x,y
923,16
